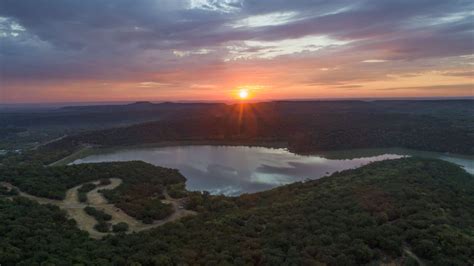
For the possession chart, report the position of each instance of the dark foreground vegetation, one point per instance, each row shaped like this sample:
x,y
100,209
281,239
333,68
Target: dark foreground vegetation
x,y
370,214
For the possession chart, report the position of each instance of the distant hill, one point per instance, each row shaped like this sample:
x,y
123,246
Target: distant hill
x,y
138,106
99,116
109,115
306,126
443,126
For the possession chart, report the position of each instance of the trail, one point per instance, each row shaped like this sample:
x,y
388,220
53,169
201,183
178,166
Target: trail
x,y
178,212
49,142
75,208
414,256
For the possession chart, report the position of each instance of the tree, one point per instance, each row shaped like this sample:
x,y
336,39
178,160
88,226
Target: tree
x,y
120,227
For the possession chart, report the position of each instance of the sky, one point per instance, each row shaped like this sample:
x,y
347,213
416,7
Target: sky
x,y
128,50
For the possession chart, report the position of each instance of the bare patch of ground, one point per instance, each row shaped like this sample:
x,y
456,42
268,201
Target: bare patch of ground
x,y
75,209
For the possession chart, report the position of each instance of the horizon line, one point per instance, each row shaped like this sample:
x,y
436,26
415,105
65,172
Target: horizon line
x,y
104,102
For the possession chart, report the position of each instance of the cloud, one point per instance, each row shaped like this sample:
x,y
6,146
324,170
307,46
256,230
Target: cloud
x,y
151,84
460,87
469,74
374,61
132,41
350,86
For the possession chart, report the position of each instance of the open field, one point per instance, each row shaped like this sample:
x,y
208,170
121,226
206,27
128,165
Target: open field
x,y
75,209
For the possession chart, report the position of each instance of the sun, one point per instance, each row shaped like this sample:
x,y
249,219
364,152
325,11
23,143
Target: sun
x,y
243,94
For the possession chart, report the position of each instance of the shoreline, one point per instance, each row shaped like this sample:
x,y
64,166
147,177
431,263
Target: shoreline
x,y
88,150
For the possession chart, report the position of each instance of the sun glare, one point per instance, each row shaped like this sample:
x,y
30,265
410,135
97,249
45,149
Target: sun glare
x,y
243,94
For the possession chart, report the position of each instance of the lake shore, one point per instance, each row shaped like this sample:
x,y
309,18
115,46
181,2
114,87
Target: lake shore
x,y
235,169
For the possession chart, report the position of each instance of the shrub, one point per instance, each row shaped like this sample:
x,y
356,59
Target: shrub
x,y
82,197
425,248
102,227
99,215
82,191
104,182
120,227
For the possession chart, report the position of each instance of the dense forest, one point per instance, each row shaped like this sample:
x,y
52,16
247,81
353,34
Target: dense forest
x,y
28,128
381,212
305,127
140,196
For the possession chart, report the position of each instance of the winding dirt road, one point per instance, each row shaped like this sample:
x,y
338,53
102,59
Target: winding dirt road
x,y
75,209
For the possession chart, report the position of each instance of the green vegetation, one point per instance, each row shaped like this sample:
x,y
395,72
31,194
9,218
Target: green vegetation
x,y
102,227
102,219
139,195
99,215
13,138
82,191
177,191
307,127
312,126
377,213
4,191
120,227
366,215
53,182
28,129
42,155
33,233
104,182
140,200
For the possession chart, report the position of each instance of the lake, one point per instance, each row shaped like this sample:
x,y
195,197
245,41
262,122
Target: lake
x,y
233,170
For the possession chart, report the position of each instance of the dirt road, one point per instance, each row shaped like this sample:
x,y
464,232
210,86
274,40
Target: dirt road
x,y
75,209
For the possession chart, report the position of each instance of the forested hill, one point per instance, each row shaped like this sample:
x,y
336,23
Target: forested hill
x,y
305,126
309,126
377,213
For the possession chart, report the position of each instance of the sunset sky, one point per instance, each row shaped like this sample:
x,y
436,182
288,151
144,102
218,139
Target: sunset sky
x,y
127,50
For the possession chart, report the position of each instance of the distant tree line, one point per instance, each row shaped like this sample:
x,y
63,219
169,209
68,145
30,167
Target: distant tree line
x,y
304,131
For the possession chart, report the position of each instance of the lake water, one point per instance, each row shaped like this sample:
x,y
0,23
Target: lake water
x,y
235,170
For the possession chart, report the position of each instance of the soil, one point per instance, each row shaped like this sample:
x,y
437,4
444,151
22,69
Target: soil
x,y
75,209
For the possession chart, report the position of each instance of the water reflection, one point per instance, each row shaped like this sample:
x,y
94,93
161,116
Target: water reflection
x,y
237,170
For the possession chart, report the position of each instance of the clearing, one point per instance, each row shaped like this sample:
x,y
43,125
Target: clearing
x,y
75,209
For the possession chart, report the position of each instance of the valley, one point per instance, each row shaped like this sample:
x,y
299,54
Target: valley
x,y
288,183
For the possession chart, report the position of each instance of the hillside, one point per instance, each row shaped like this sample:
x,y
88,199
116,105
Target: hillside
x,y
306,127
374,213
27,128
303,126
